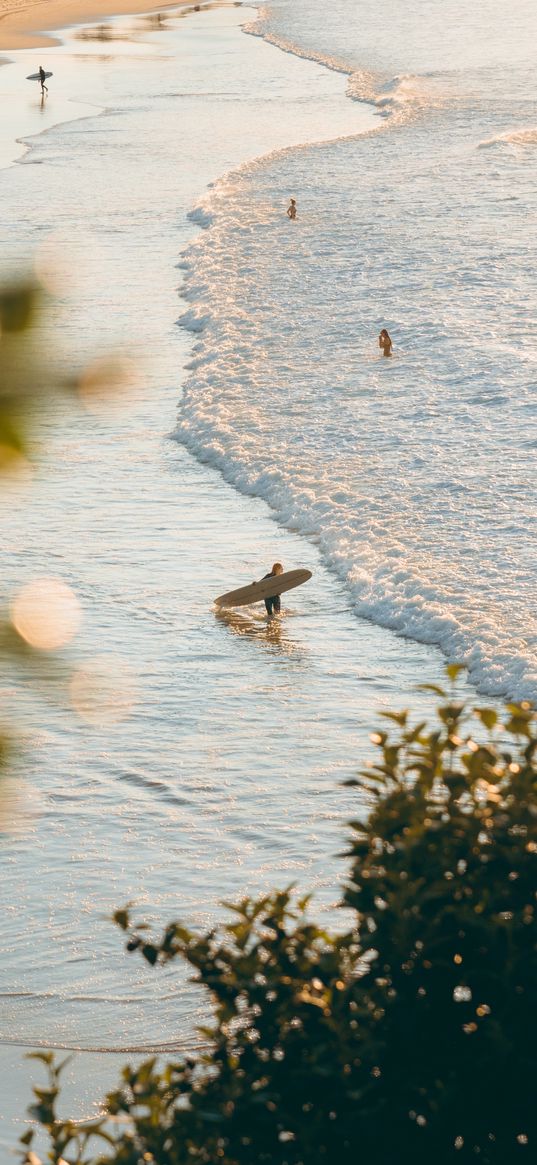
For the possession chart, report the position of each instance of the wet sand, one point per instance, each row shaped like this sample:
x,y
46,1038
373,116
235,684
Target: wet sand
x,y
25,24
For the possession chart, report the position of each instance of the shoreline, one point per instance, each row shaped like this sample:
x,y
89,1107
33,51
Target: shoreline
x,y
27,25
270,719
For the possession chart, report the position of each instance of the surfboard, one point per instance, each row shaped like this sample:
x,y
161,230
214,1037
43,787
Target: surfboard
x,y
36,77
265,589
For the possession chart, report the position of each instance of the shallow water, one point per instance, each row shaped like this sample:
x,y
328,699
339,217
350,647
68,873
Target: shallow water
x,y
225,779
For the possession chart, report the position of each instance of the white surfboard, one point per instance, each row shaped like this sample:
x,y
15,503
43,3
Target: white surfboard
x,y
265,589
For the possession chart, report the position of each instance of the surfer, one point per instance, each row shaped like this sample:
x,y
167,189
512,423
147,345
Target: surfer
x,y
273,605
385,343
42,78
291,213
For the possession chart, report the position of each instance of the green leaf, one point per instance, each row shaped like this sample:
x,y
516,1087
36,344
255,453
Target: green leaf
x,y
150,953
487,716
45,1057
398,717
17,306
122,917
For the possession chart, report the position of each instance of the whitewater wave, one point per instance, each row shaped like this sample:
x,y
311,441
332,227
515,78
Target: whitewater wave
x,y
404,96
281,389
361,82
516,137
400,97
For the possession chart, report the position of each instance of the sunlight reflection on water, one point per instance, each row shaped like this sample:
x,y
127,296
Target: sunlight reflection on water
x,y
224,781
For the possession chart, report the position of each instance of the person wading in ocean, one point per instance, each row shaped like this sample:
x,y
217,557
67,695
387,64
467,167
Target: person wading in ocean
x,y
291,209
273,605
385,343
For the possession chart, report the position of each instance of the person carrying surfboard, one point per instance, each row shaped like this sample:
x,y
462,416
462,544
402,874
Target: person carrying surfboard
x,y
273,605
274,584
42,78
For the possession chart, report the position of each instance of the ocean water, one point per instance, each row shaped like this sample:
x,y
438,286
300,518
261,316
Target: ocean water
x,y
219,772
293,441
415,476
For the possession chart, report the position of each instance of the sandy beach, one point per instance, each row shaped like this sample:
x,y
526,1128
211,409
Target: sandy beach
x,y
26,25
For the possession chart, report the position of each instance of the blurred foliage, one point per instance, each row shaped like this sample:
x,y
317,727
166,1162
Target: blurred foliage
x,y
30,383
22,379
411,1035
20,387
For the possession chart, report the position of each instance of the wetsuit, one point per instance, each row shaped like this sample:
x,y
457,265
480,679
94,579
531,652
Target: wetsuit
x,y
273,605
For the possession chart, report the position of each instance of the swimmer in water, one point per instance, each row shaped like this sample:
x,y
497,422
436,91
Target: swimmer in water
x,y
291,209
385,343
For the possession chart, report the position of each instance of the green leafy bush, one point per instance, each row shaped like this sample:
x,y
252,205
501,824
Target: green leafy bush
x,y
409,1037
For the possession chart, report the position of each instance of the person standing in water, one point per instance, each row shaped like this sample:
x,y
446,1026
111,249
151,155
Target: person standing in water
x,y
273,605
42,79
291,209
385,343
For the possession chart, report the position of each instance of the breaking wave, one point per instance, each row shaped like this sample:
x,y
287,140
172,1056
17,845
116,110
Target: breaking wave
x,y
517,137
401,97
385,466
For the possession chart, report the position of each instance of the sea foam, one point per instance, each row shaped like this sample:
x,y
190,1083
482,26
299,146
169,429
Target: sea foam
x,y
413,476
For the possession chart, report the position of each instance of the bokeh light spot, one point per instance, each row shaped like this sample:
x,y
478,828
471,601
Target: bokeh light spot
x,y
103,691
46,613
109,384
